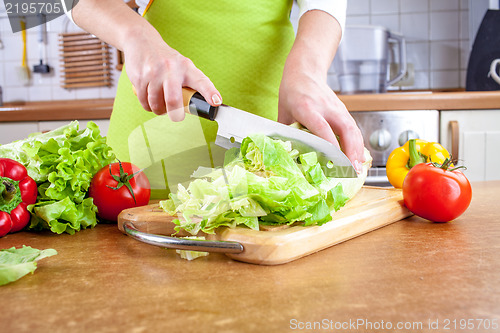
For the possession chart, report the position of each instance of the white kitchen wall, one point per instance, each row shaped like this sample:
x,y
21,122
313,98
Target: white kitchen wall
x,y
41,87
436,32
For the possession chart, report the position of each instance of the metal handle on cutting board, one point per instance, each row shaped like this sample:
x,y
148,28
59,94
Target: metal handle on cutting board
x,y
182,243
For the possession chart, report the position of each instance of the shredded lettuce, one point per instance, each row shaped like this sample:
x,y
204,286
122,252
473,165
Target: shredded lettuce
x,y
16,263
191,255
62,162
265,182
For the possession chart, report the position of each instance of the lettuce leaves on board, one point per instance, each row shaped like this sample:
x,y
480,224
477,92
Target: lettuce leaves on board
x,y
16,263
267,182
62,162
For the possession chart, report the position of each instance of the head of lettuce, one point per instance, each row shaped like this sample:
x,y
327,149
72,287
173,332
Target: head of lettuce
x,y
265,182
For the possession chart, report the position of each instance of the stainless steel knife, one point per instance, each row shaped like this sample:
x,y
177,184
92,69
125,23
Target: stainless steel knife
x,y
234,125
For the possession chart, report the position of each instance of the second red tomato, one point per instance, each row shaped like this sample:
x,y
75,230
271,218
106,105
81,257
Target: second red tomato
x,y
436,193
119,186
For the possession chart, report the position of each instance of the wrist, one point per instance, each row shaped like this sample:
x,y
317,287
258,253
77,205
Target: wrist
x,y
139,37
301,61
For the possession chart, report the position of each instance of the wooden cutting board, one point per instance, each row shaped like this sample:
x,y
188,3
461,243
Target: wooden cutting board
x,y
370,209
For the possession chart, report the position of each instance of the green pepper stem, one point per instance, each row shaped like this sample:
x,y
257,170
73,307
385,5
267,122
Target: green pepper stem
x,y
8,191
416,157
10,194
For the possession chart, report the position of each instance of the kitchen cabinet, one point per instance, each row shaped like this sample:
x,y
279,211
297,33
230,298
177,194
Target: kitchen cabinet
x,y
13,131
475,136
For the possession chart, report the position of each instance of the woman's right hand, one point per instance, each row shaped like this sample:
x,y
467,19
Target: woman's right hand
x,y
158,73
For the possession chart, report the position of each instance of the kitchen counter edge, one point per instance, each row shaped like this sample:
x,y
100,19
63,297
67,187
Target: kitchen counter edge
x,y
101,108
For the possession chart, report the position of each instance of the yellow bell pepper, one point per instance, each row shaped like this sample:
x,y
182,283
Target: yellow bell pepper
x,y
413,152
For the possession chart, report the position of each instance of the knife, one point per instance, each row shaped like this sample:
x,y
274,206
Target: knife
x,y
235,124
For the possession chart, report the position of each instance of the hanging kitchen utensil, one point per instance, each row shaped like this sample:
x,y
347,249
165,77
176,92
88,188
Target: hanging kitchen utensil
x,y
23,71
86,61
41,67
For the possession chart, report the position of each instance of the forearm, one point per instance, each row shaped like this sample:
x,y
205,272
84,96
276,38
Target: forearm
x,y
318,36
113,22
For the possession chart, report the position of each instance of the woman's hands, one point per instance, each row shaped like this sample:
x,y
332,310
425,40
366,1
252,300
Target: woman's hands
x,y
158,74
305,96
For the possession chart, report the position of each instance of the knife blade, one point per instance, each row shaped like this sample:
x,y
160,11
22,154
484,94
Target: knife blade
x,y
235,124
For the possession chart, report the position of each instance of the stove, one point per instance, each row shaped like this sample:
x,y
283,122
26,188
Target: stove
x,y
384,131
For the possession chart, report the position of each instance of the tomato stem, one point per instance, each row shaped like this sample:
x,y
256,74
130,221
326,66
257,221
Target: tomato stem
x,y
447,163
123,179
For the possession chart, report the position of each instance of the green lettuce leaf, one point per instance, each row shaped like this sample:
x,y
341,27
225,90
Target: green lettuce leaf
x,y
267,182
16,263
63,215
62,162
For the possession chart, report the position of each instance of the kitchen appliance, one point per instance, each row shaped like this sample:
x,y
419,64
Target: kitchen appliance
x,y
370,209
363,59
485,50
383,131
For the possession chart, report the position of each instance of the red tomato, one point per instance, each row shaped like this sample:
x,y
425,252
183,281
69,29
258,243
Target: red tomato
x,y
435,193
119,186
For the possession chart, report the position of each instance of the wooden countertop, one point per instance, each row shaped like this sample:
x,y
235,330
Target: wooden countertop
x,y
57,110
411,271
469,100
101,108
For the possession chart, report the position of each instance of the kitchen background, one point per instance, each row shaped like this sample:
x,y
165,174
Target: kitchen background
x,y
439,35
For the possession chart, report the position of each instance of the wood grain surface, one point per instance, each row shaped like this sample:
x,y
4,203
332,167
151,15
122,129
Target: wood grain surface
x,y
412,272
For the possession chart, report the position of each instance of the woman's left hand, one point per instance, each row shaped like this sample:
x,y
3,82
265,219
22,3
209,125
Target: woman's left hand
x,y
312,103
304,94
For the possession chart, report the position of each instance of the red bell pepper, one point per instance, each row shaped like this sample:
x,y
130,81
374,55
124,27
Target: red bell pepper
x,y
17,191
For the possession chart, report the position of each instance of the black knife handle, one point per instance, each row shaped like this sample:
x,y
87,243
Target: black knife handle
x,y
200,107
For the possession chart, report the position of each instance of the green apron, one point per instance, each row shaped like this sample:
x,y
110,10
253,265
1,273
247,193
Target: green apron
x,y
240,45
